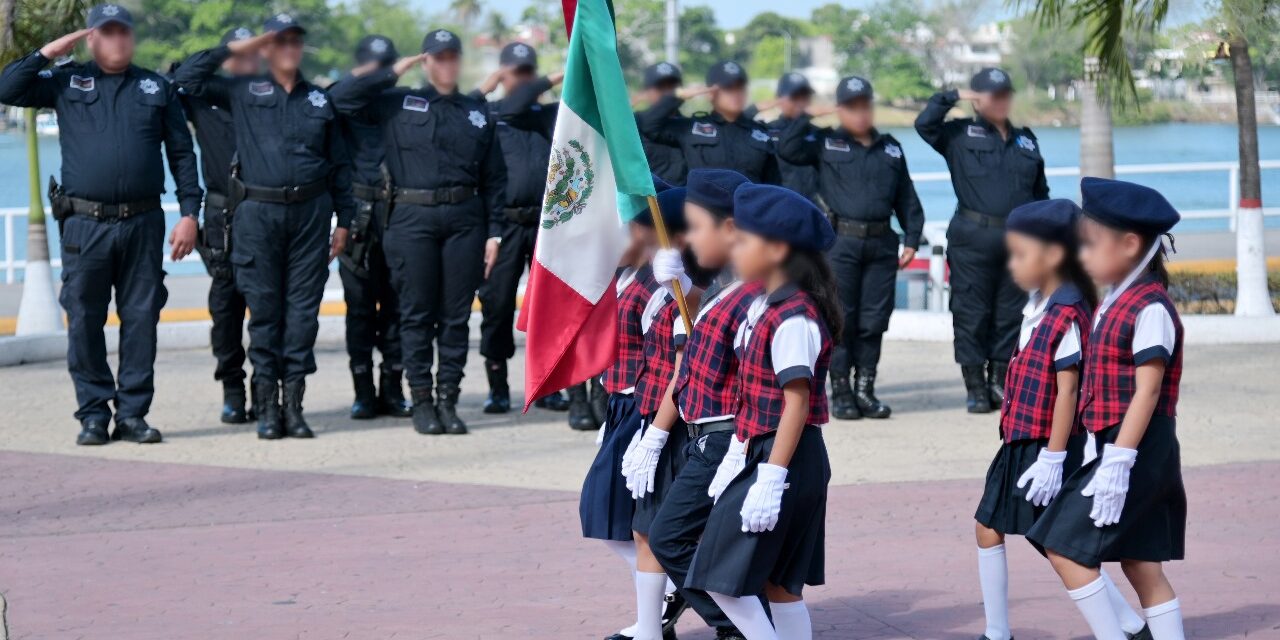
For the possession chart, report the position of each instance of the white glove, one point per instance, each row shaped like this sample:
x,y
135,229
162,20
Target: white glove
x,y
600,434
1110,484
668,266
644,462
764,499
1045,476
631,447
1090,449
734,460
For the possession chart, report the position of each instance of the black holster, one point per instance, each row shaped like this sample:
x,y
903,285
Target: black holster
x,y
59,203
356,255
213,243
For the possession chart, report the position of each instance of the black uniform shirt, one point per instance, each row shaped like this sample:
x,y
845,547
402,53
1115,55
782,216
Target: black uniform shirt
x,y
216,135
709,141
284,139
525,128
433,140
863,183
665,161
364,143
990,175
112,128
801,178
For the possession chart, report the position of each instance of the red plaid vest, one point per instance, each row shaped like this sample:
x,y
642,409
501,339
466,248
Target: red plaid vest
x,y
626,368
659,363
1031,383
760,404
708,383
1109,381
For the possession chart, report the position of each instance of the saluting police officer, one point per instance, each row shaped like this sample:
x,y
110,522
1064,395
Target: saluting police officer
x,y
294,173
114,118
373,314
793,97
863,179
725,138
448,170
995,167
525,128
665,161
216,135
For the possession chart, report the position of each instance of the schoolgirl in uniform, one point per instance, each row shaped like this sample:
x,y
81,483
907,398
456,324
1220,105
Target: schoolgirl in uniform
x,y
700,405
765,534
1128,505
605,507
1041,441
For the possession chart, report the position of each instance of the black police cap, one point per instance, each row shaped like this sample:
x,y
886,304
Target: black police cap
x,y
853,88
104,14
441,40
726,74
991,80
282,22
656,74
376,48
793,84
518,55
238,33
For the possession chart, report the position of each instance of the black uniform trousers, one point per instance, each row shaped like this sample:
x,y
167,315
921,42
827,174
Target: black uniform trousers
x,y
226,308
499,291
373,313
97,257
436,255
678,525
280,255
866,271
986,306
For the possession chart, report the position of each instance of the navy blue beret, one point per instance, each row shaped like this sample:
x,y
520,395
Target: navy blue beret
x,y
671,206
1048,220
781,214
713,188
1127,206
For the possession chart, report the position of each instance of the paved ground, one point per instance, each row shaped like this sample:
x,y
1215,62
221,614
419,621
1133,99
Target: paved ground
x,y
371,531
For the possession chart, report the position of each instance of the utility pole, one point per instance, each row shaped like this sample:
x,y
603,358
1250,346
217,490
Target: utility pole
x,y
673,32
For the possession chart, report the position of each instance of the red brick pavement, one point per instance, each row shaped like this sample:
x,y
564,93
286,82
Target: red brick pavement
x,y
91,548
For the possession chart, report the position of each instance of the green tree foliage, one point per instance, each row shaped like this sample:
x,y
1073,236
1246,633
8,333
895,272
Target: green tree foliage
x,y
1045,57
878,43
26,25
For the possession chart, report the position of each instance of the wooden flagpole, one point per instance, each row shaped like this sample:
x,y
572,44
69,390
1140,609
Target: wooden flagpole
x,y
661,228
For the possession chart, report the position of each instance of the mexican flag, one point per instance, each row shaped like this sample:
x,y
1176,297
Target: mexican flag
x,y
597,180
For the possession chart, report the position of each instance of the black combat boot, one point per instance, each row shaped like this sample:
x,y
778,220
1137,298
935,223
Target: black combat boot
x,y
995,382
365,405
135,430
843,406
391,400
295,426
267,405
599,401
580,418
975,385
499,400
864,394
93,432
233,411
425,419
448,408
552,402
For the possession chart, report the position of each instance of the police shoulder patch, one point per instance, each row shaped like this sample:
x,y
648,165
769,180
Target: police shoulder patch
x,y
705,129
415,103
261,88
45,73
83,83
477,119
836,144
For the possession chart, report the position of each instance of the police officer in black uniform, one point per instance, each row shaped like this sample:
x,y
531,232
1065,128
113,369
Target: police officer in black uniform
x,y
216,136
794,95
863,179
726,138
373,314
294,174
449,175
665,161
114,118
995,166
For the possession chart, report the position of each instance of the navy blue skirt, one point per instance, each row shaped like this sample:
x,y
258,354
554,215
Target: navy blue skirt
x,y
1004,506
605,506
791,556
1153,524
670,462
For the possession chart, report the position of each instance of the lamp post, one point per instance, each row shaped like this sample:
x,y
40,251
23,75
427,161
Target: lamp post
x,y
673,32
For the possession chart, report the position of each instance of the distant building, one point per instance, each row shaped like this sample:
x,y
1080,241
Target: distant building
x,y
965,53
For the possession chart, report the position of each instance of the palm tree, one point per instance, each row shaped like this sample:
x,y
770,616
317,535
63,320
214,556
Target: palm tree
x,y
22,29
465,11
1243,18
497,27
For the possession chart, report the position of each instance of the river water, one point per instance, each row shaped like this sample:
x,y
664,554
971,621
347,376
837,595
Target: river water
x,y
1153,144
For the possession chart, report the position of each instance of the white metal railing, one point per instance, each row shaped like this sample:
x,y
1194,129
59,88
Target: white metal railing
x,y
12,265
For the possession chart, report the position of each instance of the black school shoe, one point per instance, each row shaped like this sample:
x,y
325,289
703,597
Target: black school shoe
x,y
729,633
93,432
1144,634
676,605
666,635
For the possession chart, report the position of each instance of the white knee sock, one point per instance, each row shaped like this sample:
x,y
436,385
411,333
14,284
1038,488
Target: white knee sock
x,y
650,596
1166,621
993,575
626,551
747,614
1093,602
1130,621
791,619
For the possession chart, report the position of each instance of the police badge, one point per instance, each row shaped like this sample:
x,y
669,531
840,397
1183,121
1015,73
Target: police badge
x,y
1026,143
317,98
149,86
893,151
477,119
759,135
378,46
